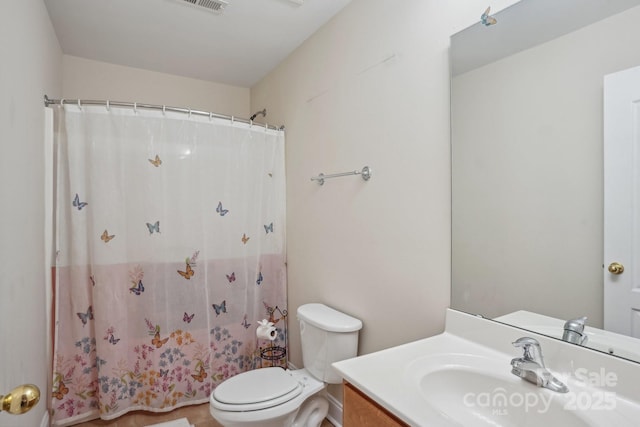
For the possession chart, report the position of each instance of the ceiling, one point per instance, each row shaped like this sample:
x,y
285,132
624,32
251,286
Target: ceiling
x,y
238,47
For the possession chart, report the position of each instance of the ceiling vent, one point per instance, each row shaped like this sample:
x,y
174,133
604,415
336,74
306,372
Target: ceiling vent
x,y
216,6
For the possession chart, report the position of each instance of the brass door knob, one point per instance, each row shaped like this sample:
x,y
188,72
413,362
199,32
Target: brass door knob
x,y
616,268
20,400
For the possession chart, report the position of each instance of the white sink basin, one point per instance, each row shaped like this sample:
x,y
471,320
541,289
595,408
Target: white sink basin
x,y
463,378
478,391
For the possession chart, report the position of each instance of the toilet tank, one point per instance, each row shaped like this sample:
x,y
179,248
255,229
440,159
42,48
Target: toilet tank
x,y
327,336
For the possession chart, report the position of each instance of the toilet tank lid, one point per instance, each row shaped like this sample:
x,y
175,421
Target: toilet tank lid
x,y
328,319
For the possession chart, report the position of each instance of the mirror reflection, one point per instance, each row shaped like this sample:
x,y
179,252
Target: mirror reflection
x,y
527,165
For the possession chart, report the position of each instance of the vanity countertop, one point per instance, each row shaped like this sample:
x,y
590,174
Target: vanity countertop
x,y
481,350
381,375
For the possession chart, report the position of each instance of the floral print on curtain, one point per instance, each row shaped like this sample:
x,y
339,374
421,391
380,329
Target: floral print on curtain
x,y
170,248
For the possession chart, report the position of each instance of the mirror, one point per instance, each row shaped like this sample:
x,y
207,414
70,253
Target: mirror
x,y
527,160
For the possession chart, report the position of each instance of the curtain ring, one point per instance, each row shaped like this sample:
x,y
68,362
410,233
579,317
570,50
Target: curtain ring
x,y
266,127
135,107
164,110
189,112
108,106
62,102
79,105
232,120
210,115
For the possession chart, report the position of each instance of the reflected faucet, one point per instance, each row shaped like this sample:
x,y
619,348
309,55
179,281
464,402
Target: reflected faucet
x,y
574,331
531,366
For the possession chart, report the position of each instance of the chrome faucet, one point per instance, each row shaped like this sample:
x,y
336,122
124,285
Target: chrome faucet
x,y
574,331
531,366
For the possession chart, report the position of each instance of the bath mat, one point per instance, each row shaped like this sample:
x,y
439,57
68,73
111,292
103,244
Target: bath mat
x,y
182,422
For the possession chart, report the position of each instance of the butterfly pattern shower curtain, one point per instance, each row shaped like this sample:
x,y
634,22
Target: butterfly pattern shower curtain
x,y
170,248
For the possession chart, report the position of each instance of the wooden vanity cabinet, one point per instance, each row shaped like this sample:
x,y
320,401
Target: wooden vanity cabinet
x,y
360,411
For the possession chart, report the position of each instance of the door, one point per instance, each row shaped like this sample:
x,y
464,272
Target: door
x,y
25,287
622,202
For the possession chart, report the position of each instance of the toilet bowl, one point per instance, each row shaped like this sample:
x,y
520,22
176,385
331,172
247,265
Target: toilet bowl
x,y
274,397
270,397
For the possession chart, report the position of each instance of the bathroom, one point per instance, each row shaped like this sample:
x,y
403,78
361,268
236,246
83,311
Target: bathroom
x,y
371,87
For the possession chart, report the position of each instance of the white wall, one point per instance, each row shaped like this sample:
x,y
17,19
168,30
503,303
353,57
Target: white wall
x,y
370,88
528,175
88,79
31,67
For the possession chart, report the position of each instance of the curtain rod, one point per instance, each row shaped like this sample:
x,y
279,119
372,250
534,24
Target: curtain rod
x,y
135,105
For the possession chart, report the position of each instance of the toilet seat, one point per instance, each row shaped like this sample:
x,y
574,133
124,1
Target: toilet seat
x,y
254,390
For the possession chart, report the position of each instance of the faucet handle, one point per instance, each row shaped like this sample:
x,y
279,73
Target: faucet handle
x,y
532,350
526,342
574,331
576,325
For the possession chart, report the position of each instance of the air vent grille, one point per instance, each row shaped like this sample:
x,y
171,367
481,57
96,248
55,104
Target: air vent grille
x,y
216,6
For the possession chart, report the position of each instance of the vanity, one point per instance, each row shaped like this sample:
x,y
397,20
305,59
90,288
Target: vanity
x,y
361,410
463,377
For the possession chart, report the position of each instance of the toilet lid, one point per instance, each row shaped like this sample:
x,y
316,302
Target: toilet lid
x,y
260,385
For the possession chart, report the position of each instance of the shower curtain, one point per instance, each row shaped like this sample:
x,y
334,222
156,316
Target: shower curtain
x,y
170,248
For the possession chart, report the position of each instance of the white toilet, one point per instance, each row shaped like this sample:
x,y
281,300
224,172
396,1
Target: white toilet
x,y
274,397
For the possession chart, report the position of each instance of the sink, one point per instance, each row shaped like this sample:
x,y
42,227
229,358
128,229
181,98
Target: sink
x,y
478,391
463,377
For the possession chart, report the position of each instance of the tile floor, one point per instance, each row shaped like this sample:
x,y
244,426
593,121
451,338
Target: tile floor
x,y
198,415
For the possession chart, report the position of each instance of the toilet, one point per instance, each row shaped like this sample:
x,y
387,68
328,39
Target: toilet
x,y
275,397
